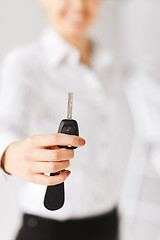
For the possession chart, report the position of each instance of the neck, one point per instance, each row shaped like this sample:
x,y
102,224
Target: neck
x,y
83,44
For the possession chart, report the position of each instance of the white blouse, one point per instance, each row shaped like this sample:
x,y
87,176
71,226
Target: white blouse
x,y
36,80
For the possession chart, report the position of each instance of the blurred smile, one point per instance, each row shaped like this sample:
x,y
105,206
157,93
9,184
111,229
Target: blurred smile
x,y
78,18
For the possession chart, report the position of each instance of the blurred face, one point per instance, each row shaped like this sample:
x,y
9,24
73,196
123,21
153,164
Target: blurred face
x,y
71,17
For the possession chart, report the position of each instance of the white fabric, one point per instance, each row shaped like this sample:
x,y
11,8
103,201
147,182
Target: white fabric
x,y
36,80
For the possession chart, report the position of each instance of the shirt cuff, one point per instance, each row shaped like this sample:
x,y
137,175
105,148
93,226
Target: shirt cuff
x,y
4,176
3,146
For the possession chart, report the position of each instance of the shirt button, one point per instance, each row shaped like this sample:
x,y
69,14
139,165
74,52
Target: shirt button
x,y
32,222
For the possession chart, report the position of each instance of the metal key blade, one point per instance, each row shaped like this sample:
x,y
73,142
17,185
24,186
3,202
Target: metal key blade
x,y
70,106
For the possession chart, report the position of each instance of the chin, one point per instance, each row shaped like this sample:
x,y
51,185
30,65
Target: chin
x,y
75,31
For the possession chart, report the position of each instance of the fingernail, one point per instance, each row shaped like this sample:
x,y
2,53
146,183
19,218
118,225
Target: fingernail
x,y
81,141
68,173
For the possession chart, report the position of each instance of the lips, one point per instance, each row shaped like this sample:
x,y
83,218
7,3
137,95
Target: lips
x,y
75,17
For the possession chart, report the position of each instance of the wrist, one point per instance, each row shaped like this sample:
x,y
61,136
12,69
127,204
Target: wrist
x,y
2,162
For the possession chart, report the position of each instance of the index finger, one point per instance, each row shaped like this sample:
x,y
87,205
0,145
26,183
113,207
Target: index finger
x,y
61,139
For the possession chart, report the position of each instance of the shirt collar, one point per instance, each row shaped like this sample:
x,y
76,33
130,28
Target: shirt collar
x,y
101,58
57,51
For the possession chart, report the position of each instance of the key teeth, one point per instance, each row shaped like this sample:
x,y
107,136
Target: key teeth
x,y
70,106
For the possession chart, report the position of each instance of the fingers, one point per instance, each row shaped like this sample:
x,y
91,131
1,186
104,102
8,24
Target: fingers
x,y
57,139
42,155
50,180
51,155
50,167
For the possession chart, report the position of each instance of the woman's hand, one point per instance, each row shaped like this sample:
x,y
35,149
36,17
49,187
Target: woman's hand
x,y
36,155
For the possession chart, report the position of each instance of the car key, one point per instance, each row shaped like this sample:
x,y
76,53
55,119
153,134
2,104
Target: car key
x,y
55,196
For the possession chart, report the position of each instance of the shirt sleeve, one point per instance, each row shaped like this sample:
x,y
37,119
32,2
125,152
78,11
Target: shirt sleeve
x,y
151,88
14,102
143,92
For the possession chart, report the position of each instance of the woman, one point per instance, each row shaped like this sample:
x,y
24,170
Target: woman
x,y
36,80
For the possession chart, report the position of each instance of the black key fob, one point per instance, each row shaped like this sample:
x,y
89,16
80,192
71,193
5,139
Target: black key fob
x,y
68,127
55,196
